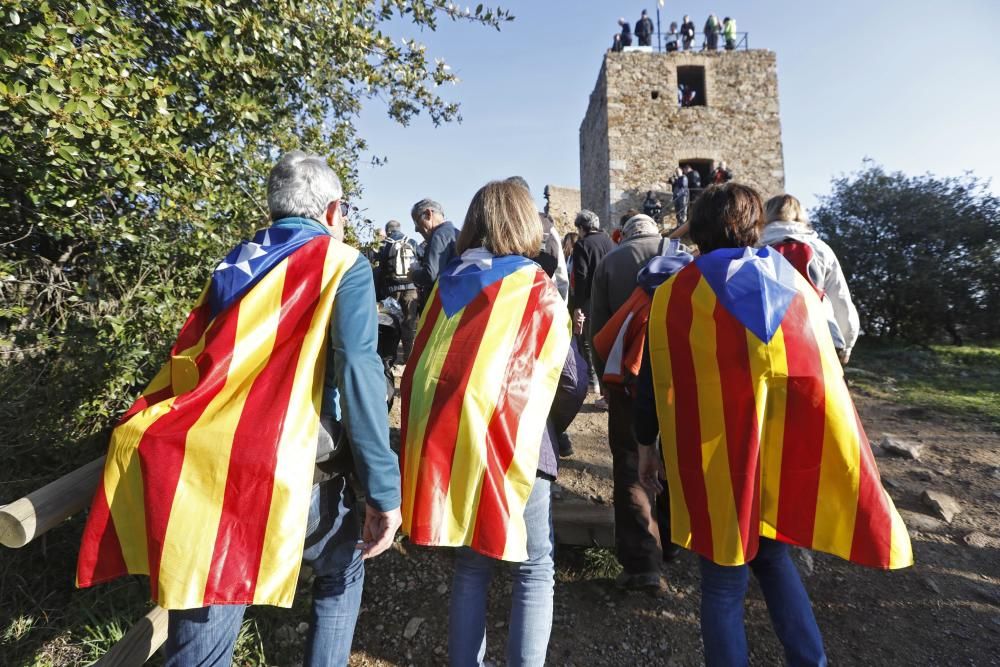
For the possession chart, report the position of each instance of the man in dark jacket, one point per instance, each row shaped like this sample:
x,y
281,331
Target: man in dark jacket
x,y
439,234
394,279
637,514
626,33
681,195
693,179
644,30
688,31
593,245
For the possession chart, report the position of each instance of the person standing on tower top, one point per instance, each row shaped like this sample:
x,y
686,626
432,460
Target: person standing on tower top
x,y
687,32
729,32
672,38
712,29
626,39
644,30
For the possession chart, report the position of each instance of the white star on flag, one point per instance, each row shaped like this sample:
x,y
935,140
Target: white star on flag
x,y
479,257
749,257
247,252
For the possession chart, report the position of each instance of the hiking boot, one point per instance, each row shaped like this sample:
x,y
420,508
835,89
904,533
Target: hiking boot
x,y
601,403
565,446
653,583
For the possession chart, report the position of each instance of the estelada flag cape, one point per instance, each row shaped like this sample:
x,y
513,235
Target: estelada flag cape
x,y
621,339
476,392
759,433
207,481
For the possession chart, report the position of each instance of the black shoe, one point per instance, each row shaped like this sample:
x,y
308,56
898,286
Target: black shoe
x,y
565,446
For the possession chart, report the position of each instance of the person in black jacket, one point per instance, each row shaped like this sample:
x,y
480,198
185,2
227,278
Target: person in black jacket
x,y
428,218
687,32
393,278
593,245
681,195
626,33
694,181
644,30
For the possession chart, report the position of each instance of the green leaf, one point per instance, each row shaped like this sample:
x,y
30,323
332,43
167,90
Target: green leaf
x,y
74,130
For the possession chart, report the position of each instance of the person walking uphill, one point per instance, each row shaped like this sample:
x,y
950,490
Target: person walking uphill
x,y
207,482
476,399
439,235
761,444
588,252
396,259
637,519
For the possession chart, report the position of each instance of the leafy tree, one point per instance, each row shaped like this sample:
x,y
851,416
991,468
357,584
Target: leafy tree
x,y
921,253
134,139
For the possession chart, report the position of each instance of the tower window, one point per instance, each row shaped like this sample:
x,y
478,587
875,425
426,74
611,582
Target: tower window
x,y
691,86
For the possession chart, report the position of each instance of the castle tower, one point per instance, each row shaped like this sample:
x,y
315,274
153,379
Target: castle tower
x,y
636,133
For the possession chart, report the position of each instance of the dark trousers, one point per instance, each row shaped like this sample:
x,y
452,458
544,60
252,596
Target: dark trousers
x,y
638,516
645,40
409,302
587,352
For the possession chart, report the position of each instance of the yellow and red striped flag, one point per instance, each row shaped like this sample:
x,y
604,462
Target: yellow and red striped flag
x,y
208,476
476,393
759,433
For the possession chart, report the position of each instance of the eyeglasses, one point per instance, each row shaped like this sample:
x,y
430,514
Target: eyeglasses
x,y
345,208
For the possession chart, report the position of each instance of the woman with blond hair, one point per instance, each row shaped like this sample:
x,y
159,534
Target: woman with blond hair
x,y
788,231
479,423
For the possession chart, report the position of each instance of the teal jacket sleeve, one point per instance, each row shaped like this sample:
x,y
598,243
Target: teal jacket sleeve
x,y
359,386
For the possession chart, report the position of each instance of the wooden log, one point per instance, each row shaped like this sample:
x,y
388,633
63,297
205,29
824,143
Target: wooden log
x,y
141,641
25,519
583,523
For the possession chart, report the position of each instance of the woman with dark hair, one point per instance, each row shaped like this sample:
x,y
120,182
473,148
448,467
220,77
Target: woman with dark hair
x,y
479,423
761,445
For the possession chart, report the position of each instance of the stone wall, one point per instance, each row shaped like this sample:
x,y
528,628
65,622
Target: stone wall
x,y
634,105
562,205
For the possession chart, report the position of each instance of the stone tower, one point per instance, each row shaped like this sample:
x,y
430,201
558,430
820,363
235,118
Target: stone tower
x,y
636,133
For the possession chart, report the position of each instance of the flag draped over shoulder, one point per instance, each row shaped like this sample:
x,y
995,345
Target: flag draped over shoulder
x,y
759,433
207,481
477,390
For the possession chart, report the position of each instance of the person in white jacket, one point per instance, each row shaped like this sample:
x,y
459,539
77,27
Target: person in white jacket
x,y
788,231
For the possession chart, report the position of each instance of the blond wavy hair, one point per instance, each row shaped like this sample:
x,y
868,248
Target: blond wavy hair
x,y
501,218
785,208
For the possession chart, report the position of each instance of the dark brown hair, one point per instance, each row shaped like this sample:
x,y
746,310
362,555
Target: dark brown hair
x,y
726,216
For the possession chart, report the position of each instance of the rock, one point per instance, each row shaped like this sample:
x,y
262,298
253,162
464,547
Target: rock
x,y
902,448
921,523
412,626
981,540
302,628
889,483
943,505
807,561
932,585
442,589
922,474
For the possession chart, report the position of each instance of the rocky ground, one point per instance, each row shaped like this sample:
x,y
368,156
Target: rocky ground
x,y
943,611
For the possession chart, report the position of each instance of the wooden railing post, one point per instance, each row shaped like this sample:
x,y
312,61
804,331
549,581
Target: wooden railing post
x,y
26,518
141,641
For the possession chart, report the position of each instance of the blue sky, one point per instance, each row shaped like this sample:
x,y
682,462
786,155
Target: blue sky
x,y
907,83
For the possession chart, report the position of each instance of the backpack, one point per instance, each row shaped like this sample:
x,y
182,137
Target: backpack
x,y
401,256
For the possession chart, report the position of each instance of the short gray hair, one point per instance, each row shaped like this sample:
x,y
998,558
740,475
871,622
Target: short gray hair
x,y
302,185
425,205
587,220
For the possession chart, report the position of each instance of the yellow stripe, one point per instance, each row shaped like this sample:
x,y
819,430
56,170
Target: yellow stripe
x,y
520,476
478,404
900,551
839,478
122,479
726,544
769,368
659,350
281,556
190,537
422,385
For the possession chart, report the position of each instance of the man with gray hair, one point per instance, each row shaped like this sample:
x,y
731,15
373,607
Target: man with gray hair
x,y
440,234
306,205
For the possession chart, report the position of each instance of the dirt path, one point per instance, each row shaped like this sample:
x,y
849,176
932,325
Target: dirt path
x,y
945,610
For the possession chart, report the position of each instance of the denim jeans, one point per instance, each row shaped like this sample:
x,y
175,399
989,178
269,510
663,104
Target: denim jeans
x,y
206,636
530,621
723,590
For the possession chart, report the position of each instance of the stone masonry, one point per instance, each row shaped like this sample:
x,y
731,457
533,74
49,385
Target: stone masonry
x,y
635,133
562,205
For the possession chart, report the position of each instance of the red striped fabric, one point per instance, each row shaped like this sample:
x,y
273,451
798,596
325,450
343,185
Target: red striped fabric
x,y
249,483
438,451
805,429
433,310
689,461
874,515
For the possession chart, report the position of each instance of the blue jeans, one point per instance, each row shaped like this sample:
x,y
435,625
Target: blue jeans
x,y
723,590
206,636
530,621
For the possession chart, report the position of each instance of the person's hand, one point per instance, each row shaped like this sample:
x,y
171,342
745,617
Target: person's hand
x,y
379,531
578,319
844,356
650,469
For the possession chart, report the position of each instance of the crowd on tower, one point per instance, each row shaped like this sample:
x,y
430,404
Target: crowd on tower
x,y
678,37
